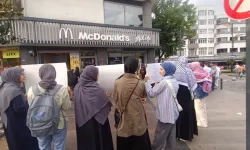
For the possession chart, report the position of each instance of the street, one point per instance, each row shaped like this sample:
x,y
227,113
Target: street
x,y
226,116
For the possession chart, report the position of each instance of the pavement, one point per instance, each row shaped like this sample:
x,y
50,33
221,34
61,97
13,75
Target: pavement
x,y
226,116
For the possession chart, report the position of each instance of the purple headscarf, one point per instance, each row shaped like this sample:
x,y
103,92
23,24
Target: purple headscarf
x,y
90,99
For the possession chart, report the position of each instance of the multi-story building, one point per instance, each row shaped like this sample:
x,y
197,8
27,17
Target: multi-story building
x,y
213,41
95,32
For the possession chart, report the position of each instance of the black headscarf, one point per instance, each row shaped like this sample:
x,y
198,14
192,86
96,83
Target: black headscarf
x,y
131,65
90,99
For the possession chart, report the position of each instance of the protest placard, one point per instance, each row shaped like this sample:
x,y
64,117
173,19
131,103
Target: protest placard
x,y
153,70
32,74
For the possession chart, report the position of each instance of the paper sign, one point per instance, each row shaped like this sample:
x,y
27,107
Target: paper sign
x,y
108,74
32,74
237,9
153,70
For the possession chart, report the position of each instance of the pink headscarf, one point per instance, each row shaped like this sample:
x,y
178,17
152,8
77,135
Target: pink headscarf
x,y
200,74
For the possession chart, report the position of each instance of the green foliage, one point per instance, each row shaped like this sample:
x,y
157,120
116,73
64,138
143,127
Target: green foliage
x,y
9,10
244,59
175,18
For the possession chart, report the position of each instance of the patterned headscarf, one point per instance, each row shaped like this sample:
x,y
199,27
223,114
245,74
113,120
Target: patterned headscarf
x,y
200,74
184,74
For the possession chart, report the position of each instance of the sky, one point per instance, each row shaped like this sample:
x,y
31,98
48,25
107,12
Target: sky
x,y
217,3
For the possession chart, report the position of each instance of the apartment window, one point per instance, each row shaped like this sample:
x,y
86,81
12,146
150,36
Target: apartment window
x,y
223,50
233,50
203,51
242,38
222,20
243,49
210,51
202,31
192,52
210,40
222,30
210,12
202,40
192,41
234,21
121,14
210,21
202,12
202,22
222,39
243,29
210,31
235,29
235,38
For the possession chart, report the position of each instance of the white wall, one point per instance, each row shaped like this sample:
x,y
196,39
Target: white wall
x,y
73,10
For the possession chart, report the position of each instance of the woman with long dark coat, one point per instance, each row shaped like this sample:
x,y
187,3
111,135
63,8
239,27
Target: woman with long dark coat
x,y
186,125
14,108
92,107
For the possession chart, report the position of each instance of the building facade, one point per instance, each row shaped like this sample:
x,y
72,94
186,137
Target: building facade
x,y
82,32
213,41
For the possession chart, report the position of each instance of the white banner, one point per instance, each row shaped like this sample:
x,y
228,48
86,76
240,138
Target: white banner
x,y
108,74
32,74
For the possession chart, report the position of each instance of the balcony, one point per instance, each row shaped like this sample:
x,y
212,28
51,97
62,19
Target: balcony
x,y
193,46
48,32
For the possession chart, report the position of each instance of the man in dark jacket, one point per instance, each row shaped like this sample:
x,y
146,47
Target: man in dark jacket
x,y
72,79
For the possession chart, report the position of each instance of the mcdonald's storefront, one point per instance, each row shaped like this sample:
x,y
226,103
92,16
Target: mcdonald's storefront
x,y
9,57
81,44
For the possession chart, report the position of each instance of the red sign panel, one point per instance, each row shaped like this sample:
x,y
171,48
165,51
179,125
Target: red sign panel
x,y
234,12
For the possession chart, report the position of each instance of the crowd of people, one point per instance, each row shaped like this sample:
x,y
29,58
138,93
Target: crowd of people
x,y
29,124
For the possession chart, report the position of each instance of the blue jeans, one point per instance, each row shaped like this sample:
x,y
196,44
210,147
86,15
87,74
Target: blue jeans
x,y
199,93
59,140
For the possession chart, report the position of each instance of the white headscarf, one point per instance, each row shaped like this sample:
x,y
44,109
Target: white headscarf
x,y
184,74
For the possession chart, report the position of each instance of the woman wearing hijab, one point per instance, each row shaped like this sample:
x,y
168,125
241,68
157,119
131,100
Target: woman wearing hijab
x,y
47,73
204,81
186,125
167,107
77,72
92,108
14,108
132,130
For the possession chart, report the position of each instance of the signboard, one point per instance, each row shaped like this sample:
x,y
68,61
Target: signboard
x,y
74,60
237,9
11,53
68,34
32,74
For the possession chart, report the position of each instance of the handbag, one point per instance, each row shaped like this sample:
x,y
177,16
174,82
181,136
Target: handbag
x,y
118,115
174,95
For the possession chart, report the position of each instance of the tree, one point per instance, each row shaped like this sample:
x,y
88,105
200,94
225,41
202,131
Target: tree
x,y
231,63
9,10
175,18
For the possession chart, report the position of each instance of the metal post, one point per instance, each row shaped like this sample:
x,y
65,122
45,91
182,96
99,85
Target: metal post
x,y
221,84
232,32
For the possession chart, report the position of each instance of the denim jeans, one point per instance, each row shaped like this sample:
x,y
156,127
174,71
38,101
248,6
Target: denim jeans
x,y
59,140
199,93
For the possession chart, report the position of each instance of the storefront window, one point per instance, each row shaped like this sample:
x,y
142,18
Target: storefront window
x,y
87,61
115,58
121,14
84,54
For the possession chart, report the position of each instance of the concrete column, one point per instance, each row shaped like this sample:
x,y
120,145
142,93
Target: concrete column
x,y
147,11
25,56
151,56
248,82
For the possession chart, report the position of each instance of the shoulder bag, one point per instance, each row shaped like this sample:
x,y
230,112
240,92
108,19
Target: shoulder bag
x,y
118,114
